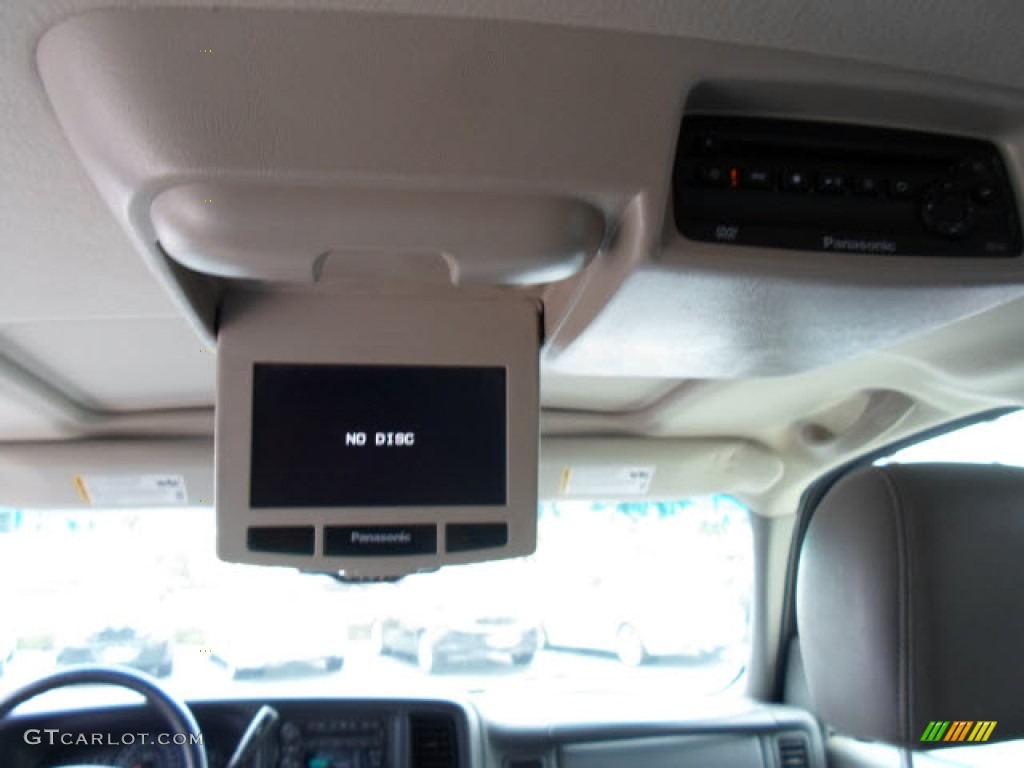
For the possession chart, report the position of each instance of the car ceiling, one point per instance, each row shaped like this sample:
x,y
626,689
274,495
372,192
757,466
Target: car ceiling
x,y
89,338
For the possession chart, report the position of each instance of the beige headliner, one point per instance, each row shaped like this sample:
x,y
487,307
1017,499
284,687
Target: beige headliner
x,y
86,330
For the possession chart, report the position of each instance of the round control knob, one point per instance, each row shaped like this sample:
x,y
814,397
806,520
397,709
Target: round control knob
x,y
947,210
290,733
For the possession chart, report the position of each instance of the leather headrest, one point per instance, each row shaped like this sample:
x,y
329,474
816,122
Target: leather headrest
x,y
910,602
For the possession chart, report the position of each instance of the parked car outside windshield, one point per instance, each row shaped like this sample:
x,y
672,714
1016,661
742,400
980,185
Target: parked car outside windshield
x,y
144,589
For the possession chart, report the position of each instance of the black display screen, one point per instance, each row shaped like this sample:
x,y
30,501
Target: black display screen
x,y
377,436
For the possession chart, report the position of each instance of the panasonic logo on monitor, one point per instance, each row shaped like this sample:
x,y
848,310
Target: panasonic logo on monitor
x,y
365,537
830,243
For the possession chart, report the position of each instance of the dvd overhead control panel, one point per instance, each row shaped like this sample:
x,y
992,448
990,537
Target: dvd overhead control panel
x,y
376,436
841,188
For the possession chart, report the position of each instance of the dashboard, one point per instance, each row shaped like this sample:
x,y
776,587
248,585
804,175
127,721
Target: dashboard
x,y
309,734
517,732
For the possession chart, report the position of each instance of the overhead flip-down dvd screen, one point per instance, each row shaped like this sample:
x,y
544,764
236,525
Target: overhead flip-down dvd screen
x,y
378,436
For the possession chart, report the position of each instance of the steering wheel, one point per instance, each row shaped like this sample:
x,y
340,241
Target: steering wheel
x,y
175,714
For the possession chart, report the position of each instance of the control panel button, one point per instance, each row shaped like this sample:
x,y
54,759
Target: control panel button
x,y
713,175
901,188
867,186
386,540
290,733
706,144
796,181
466,537
282,539
976,165
985,194
947,210
831,183
757,178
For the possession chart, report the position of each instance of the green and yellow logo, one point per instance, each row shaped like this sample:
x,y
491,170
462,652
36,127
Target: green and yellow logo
x,y
958,730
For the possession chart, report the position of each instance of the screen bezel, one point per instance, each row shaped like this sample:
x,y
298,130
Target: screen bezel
x,y
297,328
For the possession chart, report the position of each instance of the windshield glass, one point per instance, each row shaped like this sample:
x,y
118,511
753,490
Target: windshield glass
x,y
617,595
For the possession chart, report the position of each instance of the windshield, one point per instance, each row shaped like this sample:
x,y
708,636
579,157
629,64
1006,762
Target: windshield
x,y
617,595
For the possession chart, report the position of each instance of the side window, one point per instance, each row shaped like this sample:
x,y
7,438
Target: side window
x,y
989,442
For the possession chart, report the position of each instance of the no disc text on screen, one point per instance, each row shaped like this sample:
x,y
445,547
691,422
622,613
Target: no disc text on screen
x,y
378,436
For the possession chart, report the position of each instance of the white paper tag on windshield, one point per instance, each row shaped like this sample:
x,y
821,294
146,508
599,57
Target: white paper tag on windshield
x,y
132,490
611,482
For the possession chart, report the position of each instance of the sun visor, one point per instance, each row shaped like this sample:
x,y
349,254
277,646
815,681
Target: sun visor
x,y
105,474
603,469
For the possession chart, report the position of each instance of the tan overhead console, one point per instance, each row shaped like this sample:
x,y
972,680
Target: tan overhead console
x,y
352,153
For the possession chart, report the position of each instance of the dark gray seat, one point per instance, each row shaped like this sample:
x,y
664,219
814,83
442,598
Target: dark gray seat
x,y
910,602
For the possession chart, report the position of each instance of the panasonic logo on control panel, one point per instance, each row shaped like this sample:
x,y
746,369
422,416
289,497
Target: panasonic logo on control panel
x,y
363,537
830,243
